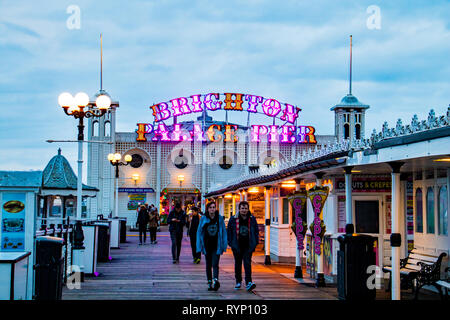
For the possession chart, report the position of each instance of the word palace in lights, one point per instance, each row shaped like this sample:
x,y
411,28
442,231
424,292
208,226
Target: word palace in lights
x,y
216,132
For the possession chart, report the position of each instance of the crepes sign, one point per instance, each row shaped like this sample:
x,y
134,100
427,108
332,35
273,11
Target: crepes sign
x,y
318,196
298,203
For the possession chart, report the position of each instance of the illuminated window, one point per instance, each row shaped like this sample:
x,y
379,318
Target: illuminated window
x,y
285,211
430,210
419,211
443,211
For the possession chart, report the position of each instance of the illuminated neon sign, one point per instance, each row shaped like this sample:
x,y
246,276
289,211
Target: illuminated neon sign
x,y
231,101
214,133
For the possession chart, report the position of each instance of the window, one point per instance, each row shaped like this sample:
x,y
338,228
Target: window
x,y
107,129
430,210
443,211
136,160
419,211
285,211
367,216
95,128
225,162
56,210
346,131
358,131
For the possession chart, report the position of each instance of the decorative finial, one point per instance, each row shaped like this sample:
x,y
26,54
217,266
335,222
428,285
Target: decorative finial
x,y
59,151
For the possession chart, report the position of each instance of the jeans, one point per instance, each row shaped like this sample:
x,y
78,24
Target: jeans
x,y
195,254
142,231
176,238
245,257
153,233
212,262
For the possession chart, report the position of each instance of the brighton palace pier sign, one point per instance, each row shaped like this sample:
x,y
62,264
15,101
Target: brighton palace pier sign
x,y
287,133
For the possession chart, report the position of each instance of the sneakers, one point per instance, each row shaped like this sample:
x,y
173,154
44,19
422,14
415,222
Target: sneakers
x,y
174,261
210,288
250,286
216,284
140,244
155,242
197,261
237,286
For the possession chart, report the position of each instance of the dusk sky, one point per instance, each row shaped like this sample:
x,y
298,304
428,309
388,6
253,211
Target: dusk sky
x,y
153,51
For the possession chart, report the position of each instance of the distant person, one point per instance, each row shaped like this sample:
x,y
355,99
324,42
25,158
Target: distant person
x,y
212,242
243,236
194,220
176,221
153,223
142,222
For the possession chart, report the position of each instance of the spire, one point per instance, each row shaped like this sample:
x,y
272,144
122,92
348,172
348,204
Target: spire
x,y
350,82
101,63
59,151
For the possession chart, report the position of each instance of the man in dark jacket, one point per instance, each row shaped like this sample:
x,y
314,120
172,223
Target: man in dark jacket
x,y
176,221
243,236
142,221
193,226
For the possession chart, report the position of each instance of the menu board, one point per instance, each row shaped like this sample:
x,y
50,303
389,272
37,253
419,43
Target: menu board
x,y
135,199
13,221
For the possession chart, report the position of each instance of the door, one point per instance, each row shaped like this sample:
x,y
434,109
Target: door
x,y
368,220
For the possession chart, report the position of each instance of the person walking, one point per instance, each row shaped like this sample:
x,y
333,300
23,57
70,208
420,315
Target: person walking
x,y
194,220
153,223
212,242
243,236
142,222
176,221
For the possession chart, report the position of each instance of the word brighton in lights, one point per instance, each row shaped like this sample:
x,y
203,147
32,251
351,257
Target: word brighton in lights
x,y
232,101
273,133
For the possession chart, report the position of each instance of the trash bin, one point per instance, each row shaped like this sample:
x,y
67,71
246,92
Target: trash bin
x,y
103,240
123,230
356,254
49,268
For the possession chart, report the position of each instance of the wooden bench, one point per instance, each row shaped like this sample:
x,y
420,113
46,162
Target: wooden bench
x,y
422,267
444,284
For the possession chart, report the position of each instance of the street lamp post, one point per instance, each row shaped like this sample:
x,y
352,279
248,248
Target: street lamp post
x,y
75,106
114,159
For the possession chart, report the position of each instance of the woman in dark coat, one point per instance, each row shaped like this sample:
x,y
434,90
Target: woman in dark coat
x,y
142,221
194,219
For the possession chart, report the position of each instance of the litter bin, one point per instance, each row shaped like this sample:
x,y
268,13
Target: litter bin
x,y
103,240
123,230
49,268
356,254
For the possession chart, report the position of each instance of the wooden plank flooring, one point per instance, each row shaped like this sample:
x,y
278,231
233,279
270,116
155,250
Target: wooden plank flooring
x,y
146,272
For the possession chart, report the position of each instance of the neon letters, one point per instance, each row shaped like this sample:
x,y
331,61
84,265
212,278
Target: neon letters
x,y
232,101
258,133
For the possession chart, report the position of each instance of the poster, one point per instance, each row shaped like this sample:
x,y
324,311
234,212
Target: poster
x,y
318,196
298,203
135,199
328,255
13,221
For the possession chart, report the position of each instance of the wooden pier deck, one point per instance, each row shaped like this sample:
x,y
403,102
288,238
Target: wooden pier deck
x,y
146,272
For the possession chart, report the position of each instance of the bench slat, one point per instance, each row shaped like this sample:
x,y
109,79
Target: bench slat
x,y
415,261
443,283
423,257
412,266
